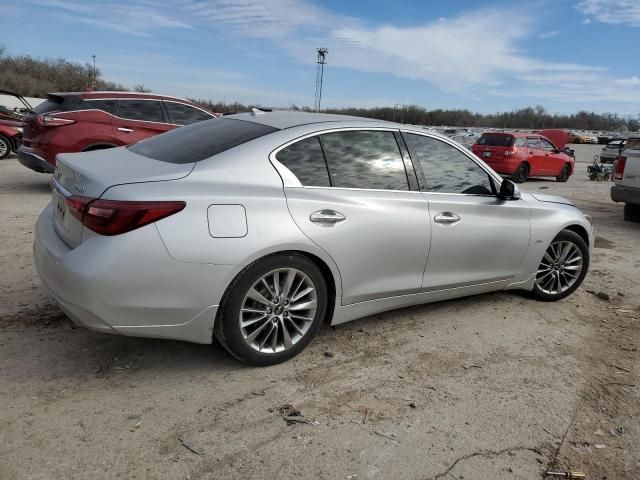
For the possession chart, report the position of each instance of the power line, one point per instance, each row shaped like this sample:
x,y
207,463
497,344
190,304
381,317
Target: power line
x,y
321,60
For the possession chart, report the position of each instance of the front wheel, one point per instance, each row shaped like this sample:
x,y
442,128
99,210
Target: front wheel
x,y
5,147
565,173
562,268
272,309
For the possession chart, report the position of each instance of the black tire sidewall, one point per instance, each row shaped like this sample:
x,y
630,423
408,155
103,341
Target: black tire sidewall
x,y
567,235
521,174
565,173
228,327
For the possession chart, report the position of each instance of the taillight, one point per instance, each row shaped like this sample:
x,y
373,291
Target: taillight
x,y
114,217
619,168
51,121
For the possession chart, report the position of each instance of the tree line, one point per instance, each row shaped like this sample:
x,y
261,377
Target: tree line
x,y
35,77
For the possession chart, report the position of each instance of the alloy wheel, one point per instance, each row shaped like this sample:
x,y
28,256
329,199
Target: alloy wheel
x,y
278,310
4,148
560,268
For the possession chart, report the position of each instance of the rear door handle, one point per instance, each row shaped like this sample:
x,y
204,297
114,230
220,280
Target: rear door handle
x,y
326,218
126,130
446,218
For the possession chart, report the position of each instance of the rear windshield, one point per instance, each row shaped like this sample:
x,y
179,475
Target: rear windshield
x,y
200,140
496,140
57,103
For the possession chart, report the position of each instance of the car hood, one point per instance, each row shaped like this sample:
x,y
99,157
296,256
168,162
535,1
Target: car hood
x,y
543,197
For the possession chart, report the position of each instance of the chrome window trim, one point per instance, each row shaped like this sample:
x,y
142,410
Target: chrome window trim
x,y
469,155
289,179
133,119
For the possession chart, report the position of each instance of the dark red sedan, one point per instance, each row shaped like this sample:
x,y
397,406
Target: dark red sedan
x,y
80,122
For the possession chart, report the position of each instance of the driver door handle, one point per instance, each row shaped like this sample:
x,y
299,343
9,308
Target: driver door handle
x,y
126,130
446,218
326,218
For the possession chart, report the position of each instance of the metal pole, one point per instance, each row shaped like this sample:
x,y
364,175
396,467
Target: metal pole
x,y
94,71
322,56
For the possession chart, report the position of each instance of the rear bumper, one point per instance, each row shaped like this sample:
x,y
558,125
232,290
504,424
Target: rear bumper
x,y
128,284
29,158
504,166
625,194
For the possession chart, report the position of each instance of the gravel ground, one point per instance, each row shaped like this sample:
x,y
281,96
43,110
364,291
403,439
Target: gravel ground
x,y
495,386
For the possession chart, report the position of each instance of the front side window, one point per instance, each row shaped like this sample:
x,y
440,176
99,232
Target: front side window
x,y
364,159
305,160
181,114
145,110
533,142
447,169
547,146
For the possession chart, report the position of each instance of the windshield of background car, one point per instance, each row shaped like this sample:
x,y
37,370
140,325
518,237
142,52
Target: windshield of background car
x,y
201,140
496,140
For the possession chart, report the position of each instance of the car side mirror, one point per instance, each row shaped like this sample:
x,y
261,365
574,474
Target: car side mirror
x,y
509,191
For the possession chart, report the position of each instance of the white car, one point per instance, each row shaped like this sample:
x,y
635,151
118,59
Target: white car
x,y
626,175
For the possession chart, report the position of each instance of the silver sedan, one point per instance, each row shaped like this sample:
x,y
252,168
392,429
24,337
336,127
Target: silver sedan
x,y
255,228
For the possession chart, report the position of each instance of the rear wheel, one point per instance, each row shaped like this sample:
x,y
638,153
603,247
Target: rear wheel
x,y
631,212
562,268
565,173
272,309
5,147
521,174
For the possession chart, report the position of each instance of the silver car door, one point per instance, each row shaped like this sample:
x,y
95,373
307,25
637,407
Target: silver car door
x,y
361,210
476,237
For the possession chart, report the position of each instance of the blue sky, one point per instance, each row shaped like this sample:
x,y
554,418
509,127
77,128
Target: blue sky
x,y
486,56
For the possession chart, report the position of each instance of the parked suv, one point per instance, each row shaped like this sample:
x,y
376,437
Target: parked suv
x,y
522,155
626,175
79,122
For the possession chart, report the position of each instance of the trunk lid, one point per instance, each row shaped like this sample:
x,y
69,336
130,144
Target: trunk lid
x,y
90,174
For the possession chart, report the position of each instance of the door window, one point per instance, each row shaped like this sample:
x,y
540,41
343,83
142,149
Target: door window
x,y
305,160
145,110
521,142
547,145
181,114
533,142
447,169
364,159
108,106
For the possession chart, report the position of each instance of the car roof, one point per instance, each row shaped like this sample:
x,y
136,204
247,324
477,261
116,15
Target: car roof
x,y
282,119
110,94
515,134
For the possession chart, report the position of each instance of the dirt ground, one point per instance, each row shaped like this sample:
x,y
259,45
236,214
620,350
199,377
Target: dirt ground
x,y
496,386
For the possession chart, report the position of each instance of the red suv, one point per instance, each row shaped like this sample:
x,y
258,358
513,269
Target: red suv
x,y
522,155
79,122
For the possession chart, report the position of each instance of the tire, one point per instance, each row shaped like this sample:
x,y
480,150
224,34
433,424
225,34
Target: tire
x,y
521,174
632,212
606,177
254,342
565,173
565,264
5,147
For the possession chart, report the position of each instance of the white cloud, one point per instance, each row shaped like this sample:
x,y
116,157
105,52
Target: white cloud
x,y
616,12
631,81
586,21
550,34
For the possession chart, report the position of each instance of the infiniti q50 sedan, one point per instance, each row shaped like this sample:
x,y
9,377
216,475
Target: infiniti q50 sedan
x,y
255,228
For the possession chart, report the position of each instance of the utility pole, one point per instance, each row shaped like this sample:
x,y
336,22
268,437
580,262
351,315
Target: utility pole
x,y
321,60
94,71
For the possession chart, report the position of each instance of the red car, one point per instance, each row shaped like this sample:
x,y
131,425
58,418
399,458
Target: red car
x,y
80,122
523,155
11,124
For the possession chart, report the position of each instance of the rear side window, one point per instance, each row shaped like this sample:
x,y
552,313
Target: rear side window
x,y
448,170
201,140
108,106
306,162
364,159
496,140
145,110
521,142
181,114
